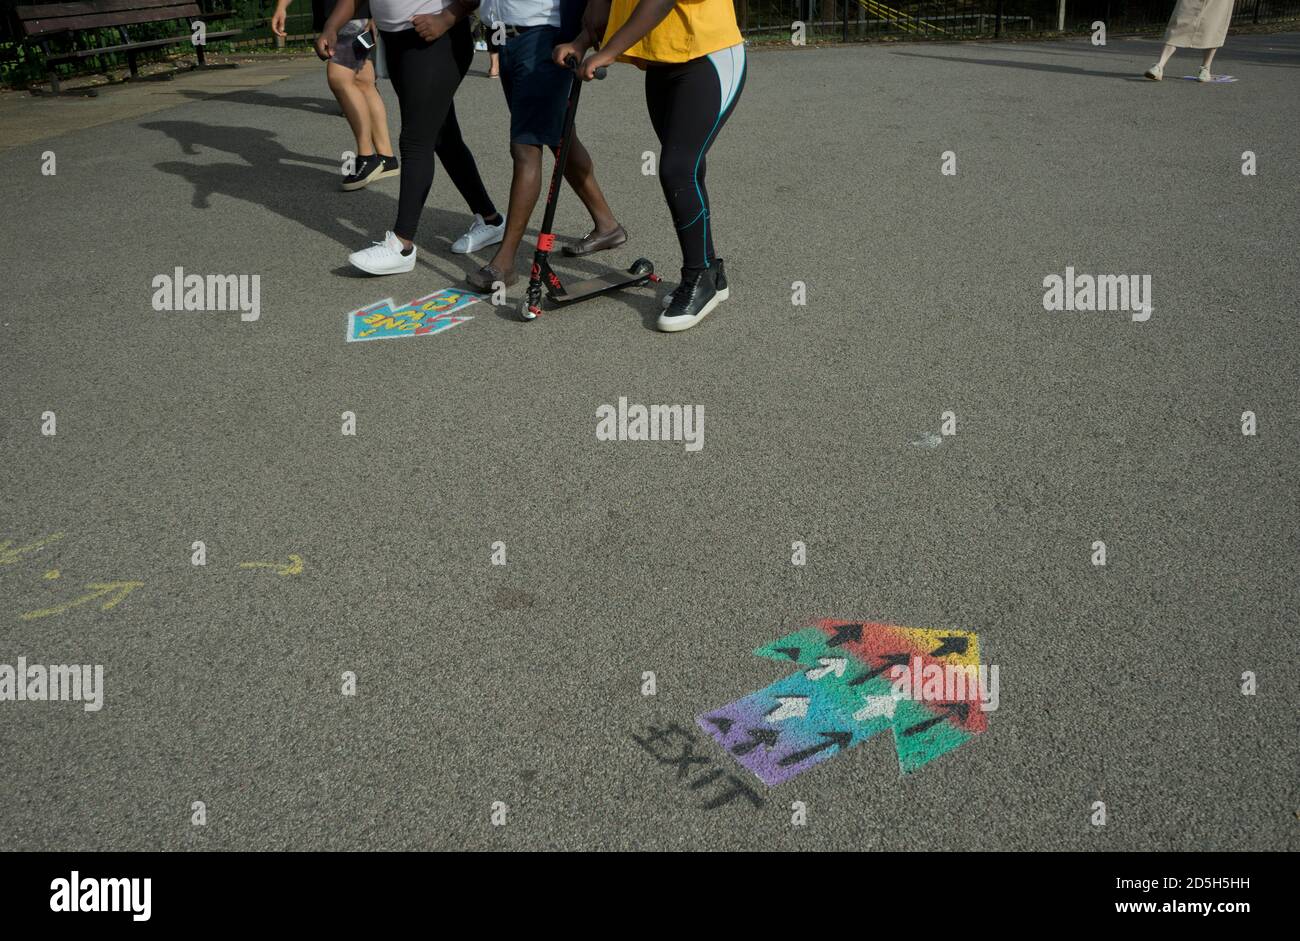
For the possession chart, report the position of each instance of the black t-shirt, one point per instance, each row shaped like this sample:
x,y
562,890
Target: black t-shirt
x,y
321,10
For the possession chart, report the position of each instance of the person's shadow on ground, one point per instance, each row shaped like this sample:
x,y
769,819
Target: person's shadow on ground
x,y
296,103
253,144
1031,66
304,188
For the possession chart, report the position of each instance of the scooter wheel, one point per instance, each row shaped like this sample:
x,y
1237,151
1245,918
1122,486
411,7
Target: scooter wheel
x,y
528,311
642,266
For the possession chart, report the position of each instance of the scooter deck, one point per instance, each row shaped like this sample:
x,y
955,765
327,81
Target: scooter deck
x,y
611,281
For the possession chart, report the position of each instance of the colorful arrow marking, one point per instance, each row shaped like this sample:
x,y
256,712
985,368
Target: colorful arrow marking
x,y
429,314
846,694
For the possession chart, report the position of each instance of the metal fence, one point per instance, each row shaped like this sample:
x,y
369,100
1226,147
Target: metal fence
x,y
823,20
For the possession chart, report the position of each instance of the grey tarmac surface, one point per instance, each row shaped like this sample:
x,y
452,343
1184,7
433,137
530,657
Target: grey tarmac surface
x,y
522,683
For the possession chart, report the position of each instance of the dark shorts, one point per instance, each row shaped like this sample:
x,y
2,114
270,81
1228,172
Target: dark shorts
x,y
348,52
537,90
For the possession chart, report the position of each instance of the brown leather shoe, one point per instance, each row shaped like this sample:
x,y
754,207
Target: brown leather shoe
x,y
591,242
488,275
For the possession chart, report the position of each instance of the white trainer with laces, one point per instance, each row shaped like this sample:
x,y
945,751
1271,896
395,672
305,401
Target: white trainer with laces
x,y
384,257
1155,73
1204,75
480,235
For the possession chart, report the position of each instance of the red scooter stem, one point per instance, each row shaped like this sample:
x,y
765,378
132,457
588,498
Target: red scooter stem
x,y
561,157
546,238
542,277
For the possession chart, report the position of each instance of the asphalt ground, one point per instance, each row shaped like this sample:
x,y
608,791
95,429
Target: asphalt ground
x,y
523,683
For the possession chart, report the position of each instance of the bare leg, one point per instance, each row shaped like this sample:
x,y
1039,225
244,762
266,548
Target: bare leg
x,y
581,174
525,187
1165,54
378,114
343,84
494,67
1209,57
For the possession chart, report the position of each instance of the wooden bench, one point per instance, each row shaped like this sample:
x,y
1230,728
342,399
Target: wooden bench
x,y
67,21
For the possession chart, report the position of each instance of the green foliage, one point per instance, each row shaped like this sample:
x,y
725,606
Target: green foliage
x,y
22,63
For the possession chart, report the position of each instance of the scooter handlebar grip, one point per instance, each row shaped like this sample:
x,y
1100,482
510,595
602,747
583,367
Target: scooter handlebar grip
x,y
573,63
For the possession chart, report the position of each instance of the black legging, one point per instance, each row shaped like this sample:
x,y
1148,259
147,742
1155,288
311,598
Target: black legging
x,y
425,76
688,103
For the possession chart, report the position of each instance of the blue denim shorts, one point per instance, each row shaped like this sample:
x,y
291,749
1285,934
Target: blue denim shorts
x,y
537,90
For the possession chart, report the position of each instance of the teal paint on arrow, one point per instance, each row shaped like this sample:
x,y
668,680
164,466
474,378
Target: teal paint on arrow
x,y
849,688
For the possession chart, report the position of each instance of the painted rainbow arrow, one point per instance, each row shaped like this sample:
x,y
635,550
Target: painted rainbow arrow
x,y
846,693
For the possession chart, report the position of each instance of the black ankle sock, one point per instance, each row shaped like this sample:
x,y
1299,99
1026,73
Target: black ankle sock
x,y
494,219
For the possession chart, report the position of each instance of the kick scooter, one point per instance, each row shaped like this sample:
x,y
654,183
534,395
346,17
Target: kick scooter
x,y
542,275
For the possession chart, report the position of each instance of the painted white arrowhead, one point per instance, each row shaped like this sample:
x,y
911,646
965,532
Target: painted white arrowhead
x,y
834,665
791,707
876,706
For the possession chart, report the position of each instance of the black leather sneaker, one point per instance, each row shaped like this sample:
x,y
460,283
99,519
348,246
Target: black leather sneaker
x,y
368,169
694,298
720,282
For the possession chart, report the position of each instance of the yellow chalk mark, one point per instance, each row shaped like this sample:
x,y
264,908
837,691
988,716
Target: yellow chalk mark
x,y
10,555
293,568
119,591
51,575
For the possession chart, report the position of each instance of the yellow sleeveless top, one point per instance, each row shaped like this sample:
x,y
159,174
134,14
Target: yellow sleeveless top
x,y
693,28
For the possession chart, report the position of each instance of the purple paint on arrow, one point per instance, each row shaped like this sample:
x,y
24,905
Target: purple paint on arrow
x,y
759,745
781,730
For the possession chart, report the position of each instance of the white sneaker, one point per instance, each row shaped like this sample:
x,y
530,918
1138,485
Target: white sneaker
x,y
384,257
480,235
1155,73
1204,75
